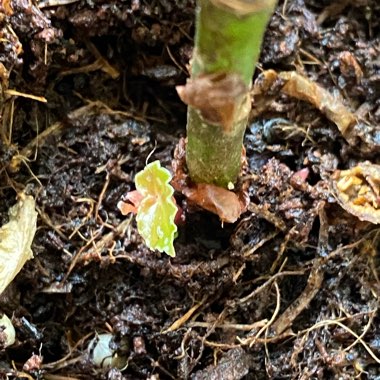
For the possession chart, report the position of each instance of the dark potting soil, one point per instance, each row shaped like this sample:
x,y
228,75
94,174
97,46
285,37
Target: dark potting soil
x,y
284,293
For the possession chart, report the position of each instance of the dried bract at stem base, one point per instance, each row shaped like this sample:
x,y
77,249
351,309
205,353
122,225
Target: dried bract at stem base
x,y
222,202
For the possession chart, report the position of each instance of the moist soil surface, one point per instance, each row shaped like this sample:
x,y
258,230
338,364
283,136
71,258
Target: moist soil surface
x,y
289,291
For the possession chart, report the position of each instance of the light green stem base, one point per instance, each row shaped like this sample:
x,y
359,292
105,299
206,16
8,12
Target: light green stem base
x,y
212,155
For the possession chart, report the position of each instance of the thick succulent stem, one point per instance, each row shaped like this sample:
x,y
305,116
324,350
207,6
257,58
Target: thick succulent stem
x,y
227,43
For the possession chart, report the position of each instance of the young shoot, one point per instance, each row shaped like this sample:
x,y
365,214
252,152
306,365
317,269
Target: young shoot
x,y
155,207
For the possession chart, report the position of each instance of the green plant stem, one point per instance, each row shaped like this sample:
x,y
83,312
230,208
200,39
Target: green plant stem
x,y
226,41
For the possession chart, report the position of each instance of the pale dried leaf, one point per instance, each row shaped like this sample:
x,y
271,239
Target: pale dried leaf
x,y
332,106
358,191
16,238
305,89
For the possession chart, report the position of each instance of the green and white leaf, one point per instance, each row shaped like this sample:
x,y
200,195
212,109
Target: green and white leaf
x,y
16,238
157,210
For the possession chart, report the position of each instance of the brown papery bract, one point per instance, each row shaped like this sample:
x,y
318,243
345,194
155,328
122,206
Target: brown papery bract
x,y
217,97
215,199
222,202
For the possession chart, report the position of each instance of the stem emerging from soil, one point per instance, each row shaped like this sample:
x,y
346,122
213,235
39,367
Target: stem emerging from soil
x,y
227,45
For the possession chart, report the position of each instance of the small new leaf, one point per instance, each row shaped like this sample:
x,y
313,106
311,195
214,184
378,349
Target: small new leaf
x,y
157,210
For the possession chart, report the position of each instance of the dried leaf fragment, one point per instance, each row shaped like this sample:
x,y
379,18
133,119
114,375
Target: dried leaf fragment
x,y
349,66
305,89
7,7
358,191
16,238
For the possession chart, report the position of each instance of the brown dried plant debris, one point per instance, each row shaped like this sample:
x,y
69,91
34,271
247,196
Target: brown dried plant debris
x,y
6,7
358,191
331,105
218,97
